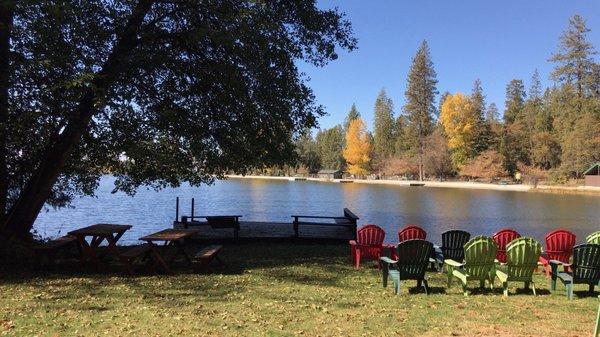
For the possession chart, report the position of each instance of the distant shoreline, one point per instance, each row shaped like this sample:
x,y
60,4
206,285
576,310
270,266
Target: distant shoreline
x,y
446,184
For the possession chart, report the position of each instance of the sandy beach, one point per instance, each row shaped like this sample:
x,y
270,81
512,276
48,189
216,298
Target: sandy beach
x,y
445,184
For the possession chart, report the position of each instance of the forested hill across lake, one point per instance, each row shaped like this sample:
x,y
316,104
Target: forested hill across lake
x,y
392,207
544,133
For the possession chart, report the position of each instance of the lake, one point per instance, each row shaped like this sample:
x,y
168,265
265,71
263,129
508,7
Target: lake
x,y
391,207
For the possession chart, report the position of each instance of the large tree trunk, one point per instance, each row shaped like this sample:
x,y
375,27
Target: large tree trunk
x,y
6,22
37,190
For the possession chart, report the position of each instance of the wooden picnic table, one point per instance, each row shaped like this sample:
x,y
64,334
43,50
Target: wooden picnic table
x,y
169,237
90,251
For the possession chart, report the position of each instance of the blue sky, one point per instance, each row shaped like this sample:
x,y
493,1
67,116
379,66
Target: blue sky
x,y
495,41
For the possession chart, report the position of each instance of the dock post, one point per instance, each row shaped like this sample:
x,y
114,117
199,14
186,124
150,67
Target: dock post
x,y
176,209
296,233
192,217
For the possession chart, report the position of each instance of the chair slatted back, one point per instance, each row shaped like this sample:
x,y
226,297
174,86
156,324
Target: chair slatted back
x,y
559,245
502,239
522,256
593,238
413,258
453,242
370,235
480,253
411,232
586,263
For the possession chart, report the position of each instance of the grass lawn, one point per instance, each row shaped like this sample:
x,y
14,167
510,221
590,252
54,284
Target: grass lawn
x,y
280,290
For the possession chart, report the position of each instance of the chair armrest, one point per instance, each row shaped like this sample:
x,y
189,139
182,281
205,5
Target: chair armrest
x,y
502,276
387,260
453,263
559,263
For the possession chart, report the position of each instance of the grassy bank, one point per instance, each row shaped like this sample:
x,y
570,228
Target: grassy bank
x,y
277,290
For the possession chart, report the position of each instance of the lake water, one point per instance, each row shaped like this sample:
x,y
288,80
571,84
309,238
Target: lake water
x,y
391,207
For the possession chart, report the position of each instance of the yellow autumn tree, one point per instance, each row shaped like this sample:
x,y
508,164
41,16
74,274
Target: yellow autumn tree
x,y
459,118
358,148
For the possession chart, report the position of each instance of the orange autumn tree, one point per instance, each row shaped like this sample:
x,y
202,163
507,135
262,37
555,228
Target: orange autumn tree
x,y
358,148
459,119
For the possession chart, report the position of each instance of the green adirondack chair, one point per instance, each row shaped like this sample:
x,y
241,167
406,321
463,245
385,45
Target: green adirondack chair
x,y
585,269
522,255
479,265
597,329
413,259
594,238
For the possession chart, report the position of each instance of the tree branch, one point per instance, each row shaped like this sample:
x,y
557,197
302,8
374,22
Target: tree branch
x,y
24,212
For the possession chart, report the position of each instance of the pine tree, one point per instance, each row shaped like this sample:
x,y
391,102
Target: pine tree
x,y
307,152
442,99
515,99
482,129
535,89
514,141
401,144
420,101
330,145
491,113
541,145
574,58
352,115
358,148
383,137
574,104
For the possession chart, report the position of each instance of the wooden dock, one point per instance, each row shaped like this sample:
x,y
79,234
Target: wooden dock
x,y
301,227
255,230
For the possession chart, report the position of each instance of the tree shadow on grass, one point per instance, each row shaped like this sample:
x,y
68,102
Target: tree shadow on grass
x,y
584,293
325,259
432,290
523,291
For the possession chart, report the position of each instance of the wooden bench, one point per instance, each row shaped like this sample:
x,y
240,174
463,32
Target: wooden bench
x,y
348,220
204,258
130,256
49,249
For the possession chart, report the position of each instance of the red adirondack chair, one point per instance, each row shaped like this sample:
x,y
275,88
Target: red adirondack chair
x,y
409,232
559,246
502,238
368,244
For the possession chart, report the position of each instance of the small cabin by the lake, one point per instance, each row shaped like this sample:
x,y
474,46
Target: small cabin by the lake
x,y
592,175
330,174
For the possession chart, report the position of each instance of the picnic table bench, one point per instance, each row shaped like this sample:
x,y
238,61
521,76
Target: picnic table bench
x,y
169,237
48,250
130,256
349,219
206,256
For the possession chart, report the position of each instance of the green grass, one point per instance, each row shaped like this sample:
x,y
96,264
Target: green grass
x,y
279,290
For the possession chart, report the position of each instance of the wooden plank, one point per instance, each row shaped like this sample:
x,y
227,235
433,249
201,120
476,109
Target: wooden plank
x,y
208,252
169,235
100,229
